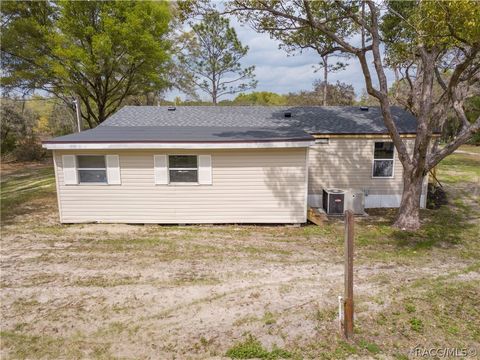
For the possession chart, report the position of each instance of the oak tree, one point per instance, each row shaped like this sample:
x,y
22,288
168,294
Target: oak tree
x,y
100,51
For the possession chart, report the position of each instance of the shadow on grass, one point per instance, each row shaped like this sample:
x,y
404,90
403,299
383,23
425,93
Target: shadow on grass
x,y
22,187
445,227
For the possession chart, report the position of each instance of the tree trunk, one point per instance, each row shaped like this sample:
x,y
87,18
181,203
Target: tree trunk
x,y
408,216
214,90
101,113
325,79
150,97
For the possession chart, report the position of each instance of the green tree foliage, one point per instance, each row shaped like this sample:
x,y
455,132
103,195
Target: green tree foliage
x,y
452,126
339,94
367,100
211,58
472,107
263,98
61,120
18,138
101,51
440,25
443,29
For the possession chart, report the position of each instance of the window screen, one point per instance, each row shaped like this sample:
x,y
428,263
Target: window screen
x,y
383,159
91,169
183,168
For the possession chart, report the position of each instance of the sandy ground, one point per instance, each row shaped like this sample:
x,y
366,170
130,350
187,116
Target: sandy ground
x,y
178,295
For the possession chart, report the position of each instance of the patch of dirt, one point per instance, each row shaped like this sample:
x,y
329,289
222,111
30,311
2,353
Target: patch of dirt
x,y
7,168
117,229
466,152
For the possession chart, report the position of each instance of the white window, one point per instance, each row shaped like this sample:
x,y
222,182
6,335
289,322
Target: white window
x,y
183,168
91,169
383,159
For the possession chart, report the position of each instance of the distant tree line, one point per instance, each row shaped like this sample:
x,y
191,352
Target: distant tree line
x,y
338,94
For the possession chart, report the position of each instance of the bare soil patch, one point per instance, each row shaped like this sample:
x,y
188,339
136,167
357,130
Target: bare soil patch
x,y
9,167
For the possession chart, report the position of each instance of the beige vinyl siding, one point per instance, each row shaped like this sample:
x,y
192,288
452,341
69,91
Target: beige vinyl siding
x,y
249,186
347,164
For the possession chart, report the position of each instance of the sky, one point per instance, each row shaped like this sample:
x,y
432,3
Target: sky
x,y
282,73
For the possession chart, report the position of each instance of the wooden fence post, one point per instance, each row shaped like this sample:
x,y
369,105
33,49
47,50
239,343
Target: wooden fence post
x,y
348,299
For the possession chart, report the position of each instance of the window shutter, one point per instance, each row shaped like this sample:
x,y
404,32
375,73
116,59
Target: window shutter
x,y
205,169
113,170
161,169
69,165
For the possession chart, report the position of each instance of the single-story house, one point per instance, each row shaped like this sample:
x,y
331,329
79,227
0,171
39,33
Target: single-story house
x,y
239,164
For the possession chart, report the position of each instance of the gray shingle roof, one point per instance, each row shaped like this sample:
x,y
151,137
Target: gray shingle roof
x,y
237,123
173,134
313,119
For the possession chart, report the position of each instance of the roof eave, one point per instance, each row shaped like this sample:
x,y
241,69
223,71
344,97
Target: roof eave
x,y
123,145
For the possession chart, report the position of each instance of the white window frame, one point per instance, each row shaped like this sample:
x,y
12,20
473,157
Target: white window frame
x,y
79,168
169,168
392,160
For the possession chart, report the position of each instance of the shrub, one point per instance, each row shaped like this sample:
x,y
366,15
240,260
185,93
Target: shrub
x,y
29,149
18,139
475,140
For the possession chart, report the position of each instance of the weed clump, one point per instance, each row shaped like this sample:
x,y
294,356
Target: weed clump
x,y
252,348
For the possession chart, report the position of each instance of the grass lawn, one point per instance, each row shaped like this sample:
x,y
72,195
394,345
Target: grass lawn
x,y
192,292
470,148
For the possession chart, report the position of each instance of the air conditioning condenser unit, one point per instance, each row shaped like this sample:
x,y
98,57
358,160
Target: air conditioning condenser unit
x,y
333,201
